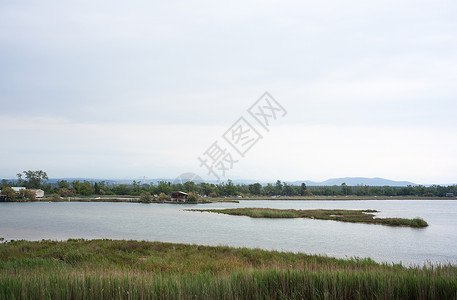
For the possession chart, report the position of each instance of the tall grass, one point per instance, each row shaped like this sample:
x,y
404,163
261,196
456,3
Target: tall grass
x,y
105,269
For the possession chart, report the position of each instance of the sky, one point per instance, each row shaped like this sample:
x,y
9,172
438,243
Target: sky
x,y
126,89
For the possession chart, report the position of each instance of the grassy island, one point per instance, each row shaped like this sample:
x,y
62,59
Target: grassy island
x,y
110,269
353,216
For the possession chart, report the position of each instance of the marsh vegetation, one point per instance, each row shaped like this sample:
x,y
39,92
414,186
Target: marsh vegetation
x,y
120,269
343,215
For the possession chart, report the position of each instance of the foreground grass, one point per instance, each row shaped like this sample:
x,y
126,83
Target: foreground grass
x,y
353,216
107,269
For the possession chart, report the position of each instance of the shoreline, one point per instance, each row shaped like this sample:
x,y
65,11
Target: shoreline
x,y
116,199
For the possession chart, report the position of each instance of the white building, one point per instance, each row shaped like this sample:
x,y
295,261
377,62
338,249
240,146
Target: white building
x,y
38,193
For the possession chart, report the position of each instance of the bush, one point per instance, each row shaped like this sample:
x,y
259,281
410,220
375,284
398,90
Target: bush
x,y
63,192
192,197
308,193
26,194
56,197
9,193
146,197
30,195
164,197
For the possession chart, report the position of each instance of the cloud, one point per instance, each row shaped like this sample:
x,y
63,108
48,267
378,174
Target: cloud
x,y
117,85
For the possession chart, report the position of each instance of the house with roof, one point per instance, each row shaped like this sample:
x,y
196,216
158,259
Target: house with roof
x,y
179,196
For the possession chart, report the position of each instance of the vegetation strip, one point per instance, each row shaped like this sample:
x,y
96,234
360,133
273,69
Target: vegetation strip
x,y
152,191
109,269
353,216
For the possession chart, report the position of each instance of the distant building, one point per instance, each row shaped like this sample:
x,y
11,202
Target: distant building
x,y
18,188
450,195
179,196
38,193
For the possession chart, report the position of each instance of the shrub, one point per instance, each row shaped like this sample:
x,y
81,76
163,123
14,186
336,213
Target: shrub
x,y
146,197
419,222
10,193
164,197
192,197
63,192
27,194
30,195
308,193
56,197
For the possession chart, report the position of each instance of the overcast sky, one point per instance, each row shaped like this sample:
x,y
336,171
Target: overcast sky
x,y
117,89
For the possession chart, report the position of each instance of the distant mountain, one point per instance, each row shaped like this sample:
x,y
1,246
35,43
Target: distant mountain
x,y
351,181
354,181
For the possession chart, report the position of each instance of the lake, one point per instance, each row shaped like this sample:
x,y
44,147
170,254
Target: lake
x,y
436,243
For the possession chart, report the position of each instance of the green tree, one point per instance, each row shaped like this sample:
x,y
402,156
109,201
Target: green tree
x,y
20,181
361,190
136,188
189,186
164,197
63,192
35,179
30,195
83,188
26,195
63,184
347,190
270,189
163,187
4,183
303,189
255,189
9,193
146,197
288,190
230,189
96,188
192,197
55,197
207,188
121,189
278,187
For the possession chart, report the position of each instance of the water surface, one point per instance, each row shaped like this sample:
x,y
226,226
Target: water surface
x,y
171,223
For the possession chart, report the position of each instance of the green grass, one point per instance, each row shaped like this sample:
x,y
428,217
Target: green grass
x,y
353,216
107,269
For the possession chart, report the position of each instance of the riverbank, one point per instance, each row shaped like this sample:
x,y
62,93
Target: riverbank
x,y
110,269
336,198
124,199
134,199
340,215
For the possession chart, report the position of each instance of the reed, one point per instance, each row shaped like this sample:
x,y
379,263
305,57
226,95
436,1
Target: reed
x,y
108,269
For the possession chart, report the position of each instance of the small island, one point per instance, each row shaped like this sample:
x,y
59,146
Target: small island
x,y
342,215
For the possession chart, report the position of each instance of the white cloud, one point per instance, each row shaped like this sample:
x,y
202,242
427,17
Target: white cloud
x,y
122,86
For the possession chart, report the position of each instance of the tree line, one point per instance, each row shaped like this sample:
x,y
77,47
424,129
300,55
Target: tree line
x,y
64,188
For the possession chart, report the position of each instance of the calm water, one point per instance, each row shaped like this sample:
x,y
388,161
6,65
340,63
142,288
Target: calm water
x,y
170,223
